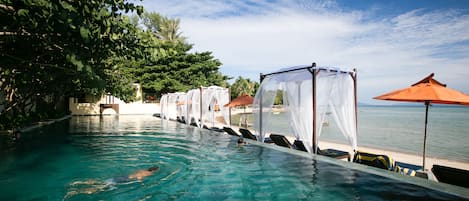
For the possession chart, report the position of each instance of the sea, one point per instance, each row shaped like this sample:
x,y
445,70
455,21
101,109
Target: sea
x,y
401,128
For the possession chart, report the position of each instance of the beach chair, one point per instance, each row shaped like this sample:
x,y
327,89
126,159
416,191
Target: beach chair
x,y
231,131
374,160
216,129
451,175
247,134
299,145
181,120
281,140
334,153
409,169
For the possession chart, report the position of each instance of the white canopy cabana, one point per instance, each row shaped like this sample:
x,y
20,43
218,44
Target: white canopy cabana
x,y
170,107
309,93
201,104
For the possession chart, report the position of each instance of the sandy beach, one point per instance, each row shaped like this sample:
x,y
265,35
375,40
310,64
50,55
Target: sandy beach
x,y
396,155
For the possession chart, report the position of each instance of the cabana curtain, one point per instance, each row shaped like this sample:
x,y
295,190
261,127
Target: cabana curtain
x,y
193,106
334,96
215,97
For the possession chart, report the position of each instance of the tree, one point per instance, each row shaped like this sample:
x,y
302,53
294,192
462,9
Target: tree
x,y
167,65
54,49
243,86
163,27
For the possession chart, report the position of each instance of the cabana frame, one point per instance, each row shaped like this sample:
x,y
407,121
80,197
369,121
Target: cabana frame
x,y
315,71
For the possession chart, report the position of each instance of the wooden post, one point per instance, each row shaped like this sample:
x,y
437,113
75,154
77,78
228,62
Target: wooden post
x,y
261,78
354,76
201,111
314,72
229,100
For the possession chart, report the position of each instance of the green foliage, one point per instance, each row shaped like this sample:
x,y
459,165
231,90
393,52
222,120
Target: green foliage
x,y
243,86
54,49
51,50
163,27
166,64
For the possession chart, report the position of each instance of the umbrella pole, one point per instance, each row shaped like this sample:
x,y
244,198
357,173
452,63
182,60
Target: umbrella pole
x,y
425,133
245,118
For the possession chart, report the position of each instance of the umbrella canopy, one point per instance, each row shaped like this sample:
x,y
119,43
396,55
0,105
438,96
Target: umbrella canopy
x,y
242,100
427,91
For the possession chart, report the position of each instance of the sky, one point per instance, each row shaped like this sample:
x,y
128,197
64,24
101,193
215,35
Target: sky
x,y
392,44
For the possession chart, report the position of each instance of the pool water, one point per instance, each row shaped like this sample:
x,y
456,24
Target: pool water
x,y
195,164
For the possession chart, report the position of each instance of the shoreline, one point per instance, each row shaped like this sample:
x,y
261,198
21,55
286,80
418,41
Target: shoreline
x,y
397,155
400,156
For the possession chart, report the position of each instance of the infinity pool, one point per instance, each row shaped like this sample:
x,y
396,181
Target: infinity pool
x,y
54,163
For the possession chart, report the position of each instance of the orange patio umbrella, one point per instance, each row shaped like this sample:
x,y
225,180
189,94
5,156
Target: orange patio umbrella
x,y
242,100
427,91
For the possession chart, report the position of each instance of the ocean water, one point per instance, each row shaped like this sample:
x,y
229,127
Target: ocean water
x,y
195,164
401,128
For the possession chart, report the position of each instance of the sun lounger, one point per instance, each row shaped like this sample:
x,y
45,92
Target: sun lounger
x,y
281,140
334,153
299,145
451,175
230,131
216,129
247,134
409,169
374,160
181,120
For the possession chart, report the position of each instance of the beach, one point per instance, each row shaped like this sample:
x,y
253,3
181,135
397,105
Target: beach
x,y
397,132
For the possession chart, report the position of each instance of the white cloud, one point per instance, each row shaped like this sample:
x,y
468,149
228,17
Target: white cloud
x,y
389,53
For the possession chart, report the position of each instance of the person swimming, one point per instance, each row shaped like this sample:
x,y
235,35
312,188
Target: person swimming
x,y
143,173
241,142
91,186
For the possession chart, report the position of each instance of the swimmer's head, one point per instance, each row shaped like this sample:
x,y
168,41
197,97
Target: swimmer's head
x,y
241,141
154,168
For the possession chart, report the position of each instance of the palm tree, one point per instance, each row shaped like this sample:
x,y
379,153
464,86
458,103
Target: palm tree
x,y
163,27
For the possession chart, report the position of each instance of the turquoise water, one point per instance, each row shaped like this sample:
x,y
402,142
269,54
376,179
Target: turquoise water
x,y
402,129
195,164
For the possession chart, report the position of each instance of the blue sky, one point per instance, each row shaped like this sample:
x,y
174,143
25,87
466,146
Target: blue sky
x,y
392,44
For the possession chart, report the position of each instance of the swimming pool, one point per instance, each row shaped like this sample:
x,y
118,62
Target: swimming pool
x,y
195,164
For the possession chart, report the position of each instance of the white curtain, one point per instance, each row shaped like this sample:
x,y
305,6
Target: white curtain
x,y
325,83
195,104
265,94
342,104
181,104
297,101
163,106
215,97
189,105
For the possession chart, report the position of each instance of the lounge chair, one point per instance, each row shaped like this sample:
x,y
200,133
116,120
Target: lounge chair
x,y
299,145
334,153
247,134
281,140
216,129
181,120
374,160
451,175
409,169
231,131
